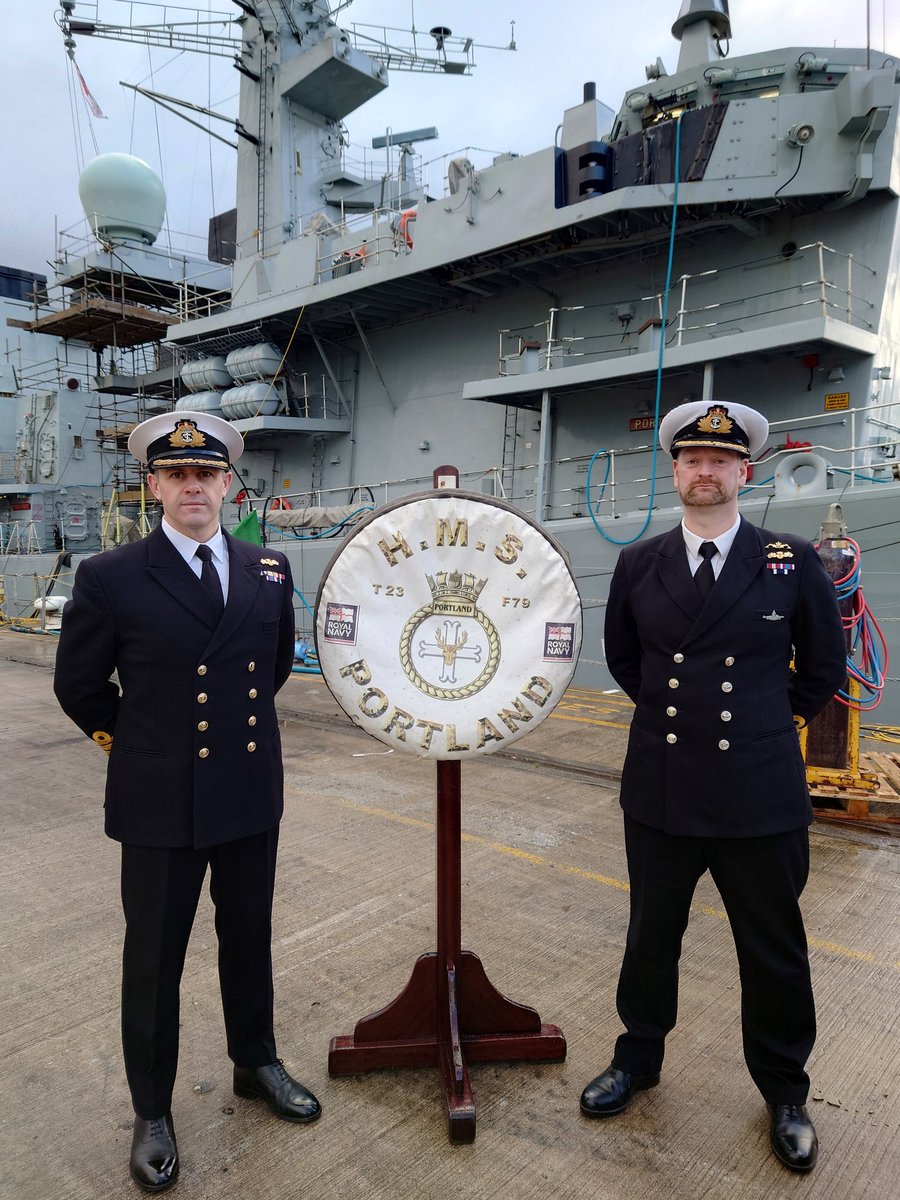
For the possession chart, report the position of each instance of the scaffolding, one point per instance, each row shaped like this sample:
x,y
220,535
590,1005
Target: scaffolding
x,y
123,318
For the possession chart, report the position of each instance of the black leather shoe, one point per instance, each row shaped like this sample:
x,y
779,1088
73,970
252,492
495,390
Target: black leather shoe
x,y
154,1155
286,1097
611,1092
793,1136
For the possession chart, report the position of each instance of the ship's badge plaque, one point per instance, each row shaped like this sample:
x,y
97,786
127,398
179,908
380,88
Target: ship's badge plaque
x,y
448,625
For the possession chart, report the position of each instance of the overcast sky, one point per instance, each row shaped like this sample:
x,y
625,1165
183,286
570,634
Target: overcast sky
x,y
514,101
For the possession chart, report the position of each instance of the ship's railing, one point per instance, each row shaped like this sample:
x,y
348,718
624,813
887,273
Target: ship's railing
x,y
312,397
195,303
364,240
702,304
621,479
81,239
830,292
396,178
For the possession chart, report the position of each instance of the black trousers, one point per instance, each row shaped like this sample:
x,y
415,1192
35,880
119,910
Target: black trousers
x,y
160,891
760,881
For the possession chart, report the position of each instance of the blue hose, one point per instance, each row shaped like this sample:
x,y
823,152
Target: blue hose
x,y
659,364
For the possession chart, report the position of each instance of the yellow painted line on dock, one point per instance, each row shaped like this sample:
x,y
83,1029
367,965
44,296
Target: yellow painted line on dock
x,y
588,720
540,860
588,707
606,880
845,951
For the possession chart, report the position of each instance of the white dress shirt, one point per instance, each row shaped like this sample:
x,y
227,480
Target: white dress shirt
x,y
187,548
723,543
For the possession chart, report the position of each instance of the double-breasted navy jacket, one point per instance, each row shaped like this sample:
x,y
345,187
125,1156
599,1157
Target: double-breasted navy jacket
x,y
713,749
191,728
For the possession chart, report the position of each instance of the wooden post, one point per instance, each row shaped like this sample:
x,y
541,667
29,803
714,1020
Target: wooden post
x,y
449,1013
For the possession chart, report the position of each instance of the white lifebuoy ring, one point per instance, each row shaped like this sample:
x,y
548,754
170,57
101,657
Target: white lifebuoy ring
x,y
801,474
448,625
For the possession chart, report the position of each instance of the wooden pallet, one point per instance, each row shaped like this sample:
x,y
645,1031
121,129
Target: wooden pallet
x,y
881,805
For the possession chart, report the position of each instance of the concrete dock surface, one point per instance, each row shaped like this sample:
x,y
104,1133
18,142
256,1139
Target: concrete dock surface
x,y
545,906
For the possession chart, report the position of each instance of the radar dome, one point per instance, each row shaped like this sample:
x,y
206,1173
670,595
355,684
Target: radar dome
x,y
123,198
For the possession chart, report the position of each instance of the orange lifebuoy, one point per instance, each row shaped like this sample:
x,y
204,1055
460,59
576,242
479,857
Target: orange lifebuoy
x,y
280,502
409,215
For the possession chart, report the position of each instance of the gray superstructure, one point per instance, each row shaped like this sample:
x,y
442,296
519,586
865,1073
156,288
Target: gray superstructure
x,y
511,326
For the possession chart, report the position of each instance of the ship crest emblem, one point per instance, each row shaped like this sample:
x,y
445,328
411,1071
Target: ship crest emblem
x,y
186,434
716,420
449,648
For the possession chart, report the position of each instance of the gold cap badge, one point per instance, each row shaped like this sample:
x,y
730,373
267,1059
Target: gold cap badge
x,y
716,421
186,434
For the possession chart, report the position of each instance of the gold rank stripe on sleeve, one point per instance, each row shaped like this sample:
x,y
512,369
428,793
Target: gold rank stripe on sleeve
x,y
103,740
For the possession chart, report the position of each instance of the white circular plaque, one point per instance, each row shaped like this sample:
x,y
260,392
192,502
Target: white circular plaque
x,y
448,625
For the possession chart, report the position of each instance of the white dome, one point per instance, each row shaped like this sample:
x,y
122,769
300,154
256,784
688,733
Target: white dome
x,y
123,198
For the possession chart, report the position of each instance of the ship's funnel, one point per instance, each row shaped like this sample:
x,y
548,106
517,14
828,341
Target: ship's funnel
x,y
123,199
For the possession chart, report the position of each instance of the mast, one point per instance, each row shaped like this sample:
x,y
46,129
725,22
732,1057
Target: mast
x,y
701,27
301,75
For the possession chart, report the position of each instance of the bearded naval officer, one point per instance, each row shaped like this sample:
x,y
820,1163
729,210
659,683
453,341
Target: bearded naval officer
x,y
200,628
726,637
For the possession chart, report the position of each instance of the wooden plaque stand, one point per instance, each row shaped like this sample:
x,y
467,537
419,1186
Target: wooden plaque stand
x,y
449,1014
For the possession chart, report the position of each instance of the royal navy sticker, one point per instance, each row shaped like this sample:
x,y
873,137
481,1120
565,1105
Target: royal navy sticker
x,y
559,641
341,623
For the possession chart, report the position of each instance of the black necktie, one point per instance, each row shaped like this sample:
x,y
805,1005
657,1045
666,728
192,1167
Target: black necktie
x,y
209,576
704,576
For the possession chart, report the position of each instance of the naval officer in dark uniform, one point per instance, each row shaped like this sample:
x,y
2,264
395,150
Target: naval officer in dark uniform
x,y
726,637
200,628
